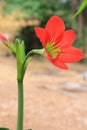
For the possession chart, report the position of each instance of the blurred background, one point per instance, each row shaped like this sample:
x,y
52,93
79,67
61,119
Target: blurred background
x,y
19,17
54,99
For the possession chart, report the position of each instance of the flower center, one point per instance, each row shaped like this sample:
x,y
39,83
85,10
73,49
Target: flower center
x,y
53,49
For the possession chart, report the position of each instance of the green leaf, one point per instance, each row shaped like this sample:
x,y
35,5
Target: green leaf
x,y
83,5
25,64
4,128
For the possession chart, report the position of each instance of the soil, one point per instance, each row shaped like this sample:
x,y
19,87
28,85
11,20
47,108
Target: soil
x,y
54,99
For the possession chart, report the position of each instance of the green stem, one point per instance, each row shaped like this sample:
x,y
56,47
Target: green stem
x,y
35,51
20,106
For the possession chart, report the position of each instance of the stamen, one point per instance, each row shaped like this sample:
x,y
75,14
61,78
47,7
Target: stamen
x,y
53,49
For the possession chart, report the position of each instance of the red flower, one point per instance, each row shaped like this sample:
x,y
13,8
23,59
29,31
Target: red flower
x,y
57,43
3,38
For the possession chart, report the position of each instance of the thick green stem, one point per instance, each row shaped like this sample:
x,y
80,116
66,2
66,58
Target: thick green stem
x,y
20,106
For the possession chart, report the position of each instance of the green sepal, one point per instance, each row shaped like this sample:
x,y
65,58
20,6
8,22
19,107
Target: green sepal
x,y
22,59
28,58
12,47
24,65
20,56
20,51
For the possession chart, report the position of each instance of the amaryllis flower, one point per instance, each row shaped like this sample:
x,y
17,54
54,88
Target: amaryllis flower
x,y
57,43
3,38
7,43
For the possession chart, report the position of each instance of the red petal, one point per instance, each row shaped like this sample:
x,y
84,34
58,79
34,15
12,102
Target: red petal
x,y
57,63
60,64
43,35
55,26
70,54
68,38
3,38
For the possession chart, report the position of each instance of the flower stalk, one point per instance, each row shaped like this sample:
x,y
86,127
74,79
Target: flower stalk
x,y
22,63
20,105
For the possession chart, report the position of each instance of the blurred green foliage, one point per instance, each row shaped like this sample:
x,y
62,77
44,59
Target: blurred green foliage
x,y
36,9
39,9
44,9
